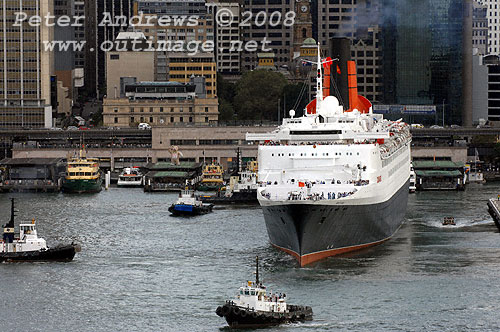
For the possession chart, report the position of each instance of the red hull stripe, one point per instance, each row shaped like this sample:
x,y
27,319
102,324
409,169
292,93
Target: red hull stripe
x,y
316,256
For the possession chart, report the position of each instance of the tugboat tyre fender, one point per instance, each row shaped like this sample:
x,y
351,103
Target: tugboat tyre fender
x,y
225,310
218,311
236,311
243,313
254,315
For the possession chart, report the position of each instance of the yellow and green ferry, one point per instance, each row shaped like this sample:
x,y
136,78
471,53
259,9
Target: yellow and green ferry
x,y
211,178
82,175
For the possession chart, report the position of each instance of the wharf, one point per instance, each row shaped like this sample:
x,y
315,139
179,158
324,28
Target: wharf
x,y
494,209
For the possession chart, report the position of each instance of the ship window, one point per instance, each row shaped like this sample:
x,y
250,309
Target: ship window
x,y
358,153
252,293
241,292
246,292
87,173
272,154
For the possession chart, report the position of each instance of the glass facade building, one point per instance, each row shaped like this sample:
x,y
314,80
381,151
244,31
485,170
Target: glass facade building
x,y
423,54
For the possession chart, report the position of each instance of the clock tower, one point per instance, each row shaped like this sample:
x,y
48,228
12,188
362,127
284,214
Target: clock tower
x,y
302,29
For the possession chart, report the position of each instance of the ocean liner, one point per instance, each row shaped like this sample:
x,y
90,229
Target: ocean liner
x,y
335,179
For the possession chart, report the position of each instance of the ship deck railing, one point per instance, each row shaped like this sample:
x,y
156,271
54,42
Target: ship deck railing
x,y
315,195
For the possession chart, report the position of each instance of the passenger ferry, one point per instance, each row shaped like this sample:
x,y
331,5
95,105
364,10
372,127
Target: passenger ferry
x,y
82,175
335,179
130,177
211,178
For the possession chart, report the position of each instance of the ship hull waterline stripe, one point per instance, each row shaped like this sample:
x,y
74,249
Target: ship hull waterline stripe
x,y
316,256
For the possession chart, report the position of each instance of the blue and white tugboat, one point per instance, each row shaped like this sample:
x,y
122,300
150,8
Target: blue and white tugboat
x,y
28,246
188,205
255,307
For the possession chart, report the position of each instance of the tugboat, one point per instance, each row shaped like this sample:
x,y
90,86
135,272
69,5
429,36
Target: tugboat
x,y
189,205
242,188
130,177
254,307
28,246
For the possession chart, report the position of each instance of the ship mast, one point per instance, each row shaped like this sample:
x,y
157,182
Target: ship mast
x,y
319,82
257,271
8,230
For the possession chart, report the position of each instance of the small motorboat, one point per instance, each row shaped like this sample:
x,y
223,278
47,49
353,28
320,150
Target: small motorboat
x,y
449,221
28,246
189,205
255,307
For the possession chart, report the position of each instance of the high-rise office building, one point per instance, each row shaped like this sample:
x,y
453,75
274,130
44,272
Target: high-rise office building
x,y
493,17
25,66
480,27
228,58
424,54
277,32
98,31
194,25
359,21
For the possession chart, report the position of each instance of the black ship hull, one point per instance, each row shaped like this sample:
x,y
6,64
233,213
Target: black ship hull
x,y
238,317
184,210
313,232
60,254
240,197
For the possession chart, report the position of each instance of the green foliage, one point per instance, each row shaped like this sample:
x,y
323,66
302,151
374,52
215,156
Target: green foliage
x,y
482,139
257,94
226,110
225,93
225,90
291,94
496,150
96,118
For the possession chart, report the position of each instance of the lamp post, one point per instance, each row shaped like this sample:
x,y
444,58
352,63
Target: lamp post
x,y
443,112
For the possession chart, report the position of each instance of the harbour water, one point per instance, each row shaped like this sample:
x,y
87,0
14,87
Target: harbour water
x,y
141,269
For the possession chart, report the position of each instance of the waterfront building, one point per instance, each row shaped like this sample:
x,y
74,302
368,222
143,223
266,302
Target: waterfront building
x,y
27,84
161,104
28,174
166,176
439,175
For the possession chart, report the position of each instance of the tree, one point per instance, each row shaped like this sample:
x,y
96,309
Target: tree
x,y
225,93
226,110
257,94
292,94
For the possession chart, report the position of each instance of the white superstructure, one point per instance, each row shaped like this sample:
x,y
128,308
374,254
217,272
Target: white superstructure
x,y
28,240
131,177
254,297
332,157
